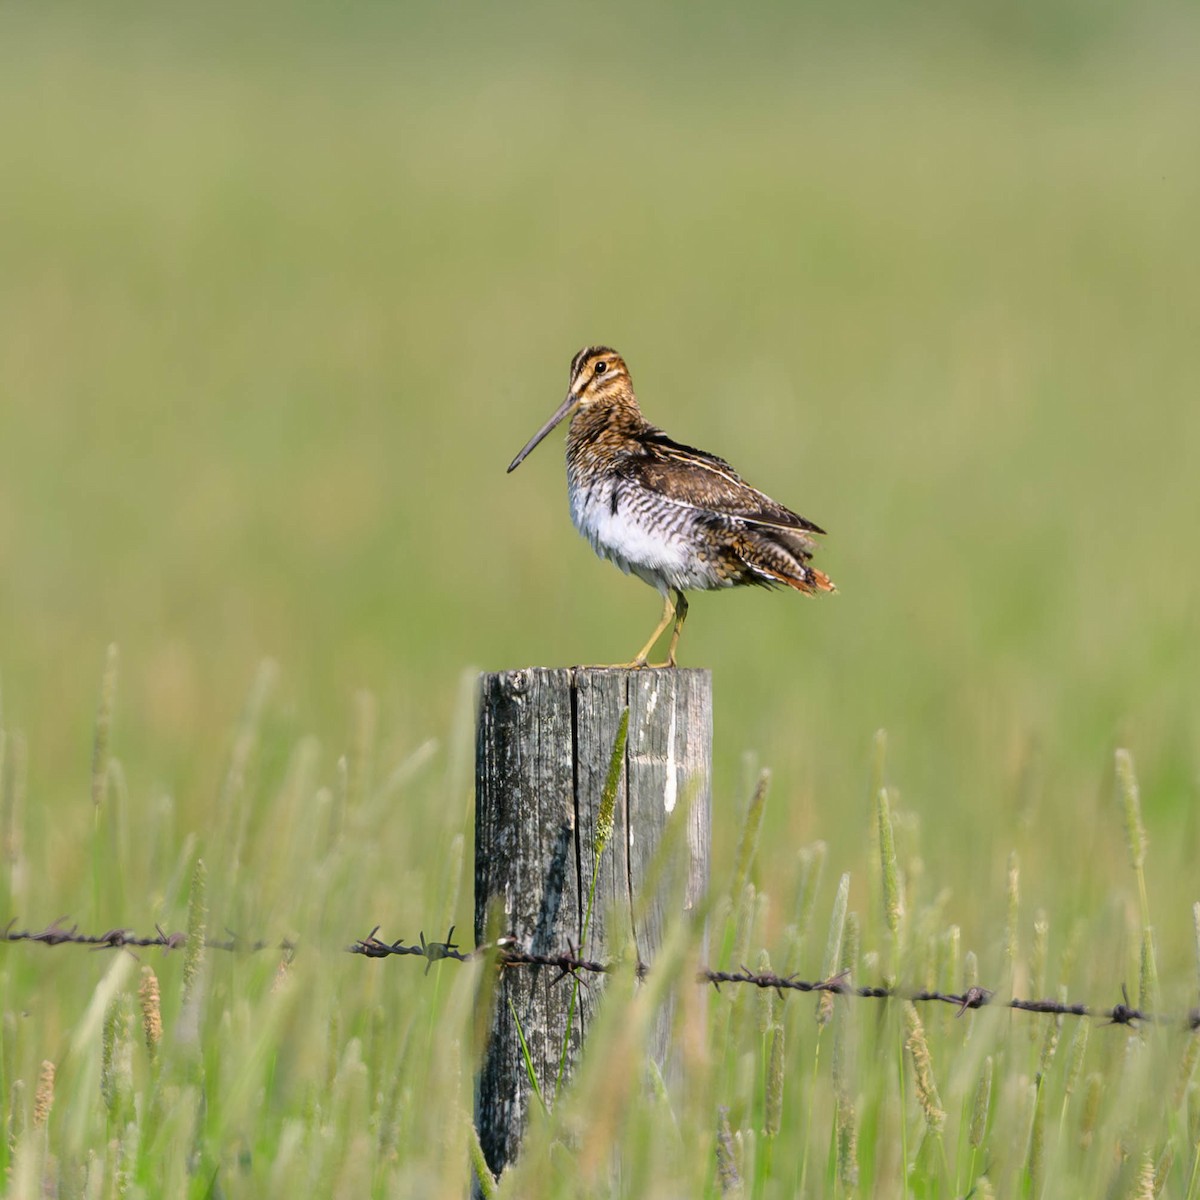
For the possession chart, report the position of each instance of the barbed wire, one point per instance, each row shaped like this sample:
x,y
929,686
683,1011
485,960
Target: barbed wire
x,y
508,953
56,934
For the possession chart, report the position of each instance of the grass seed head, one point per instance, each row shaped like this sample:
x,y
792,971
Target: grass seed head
x,y
606,817
918,1048
197,931
116,1057
837,929
1147,973
729,1175
43,1100
851,946
893,901
1076,1055
283,974
1011,941
1038,953
773,1120
1135,831
1162,1168
1187,1067
1144,1189
747,910
148,998
16,1113
982,1106
846,1131
830,964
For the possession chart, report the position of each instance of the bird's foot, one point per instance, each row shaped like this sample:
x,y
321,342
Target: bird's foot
x,y
639,664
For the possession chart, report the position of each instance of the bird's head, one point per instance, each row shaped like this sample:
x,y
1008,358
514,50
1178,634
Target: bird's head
x,y
598,374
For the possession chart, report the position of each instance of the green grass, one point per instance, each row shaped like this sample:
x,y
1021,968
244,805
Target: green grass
x,y
268,1073
280,295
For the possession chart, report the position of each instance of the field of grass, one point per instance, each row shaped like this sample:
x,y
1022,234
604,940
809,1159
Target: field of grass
x,y
282,292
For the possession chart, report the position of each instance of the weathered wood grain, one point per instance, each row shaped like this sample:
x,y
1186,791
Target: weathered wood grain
x,y
544,740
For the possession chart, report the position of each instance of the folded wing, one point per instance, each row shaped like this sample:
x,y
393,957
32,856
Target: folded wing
x,y
690,477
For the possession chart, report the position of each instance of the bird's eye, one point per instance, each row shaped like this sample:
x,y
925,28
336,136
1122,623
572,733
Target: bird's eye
x,y
601,367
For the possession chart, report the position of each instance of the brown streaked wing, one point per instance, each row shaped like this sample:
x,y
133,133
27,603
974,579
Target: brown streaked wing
x,y
689,476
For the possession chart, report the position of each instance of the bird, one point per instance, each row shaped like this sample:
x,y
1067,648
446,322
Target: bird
x,y
676,517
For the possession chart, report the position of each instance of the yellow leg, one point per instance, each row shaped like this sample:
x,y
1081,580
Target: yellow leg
x,y
681,609
669,612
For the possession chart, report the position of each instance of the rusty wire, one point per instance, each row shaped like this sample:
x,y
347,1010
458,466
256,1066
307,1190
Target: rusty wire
x,y
508,953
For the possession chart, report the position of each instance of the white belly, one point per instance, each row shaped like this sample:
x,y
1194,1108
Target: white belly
x,y
652,546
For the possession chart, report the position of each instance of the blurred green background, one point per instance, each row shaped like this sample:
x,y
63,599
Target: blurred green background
x,y
283,290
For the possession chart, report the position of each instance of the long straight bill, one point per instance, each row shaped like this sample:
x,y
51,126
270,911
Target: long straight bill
x,y
563,409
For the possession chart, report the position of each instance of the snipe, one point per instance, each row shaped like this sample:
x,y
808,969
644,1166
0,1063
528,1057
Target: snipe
x,y
676,517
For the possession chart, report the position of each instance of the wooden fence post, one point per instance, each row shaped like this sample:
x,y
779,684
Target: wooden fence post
x,y
543,744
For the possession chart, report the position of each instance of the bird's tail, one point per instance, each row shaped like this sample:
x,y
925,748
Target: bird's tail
x,y
809,581
818,581
772,563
